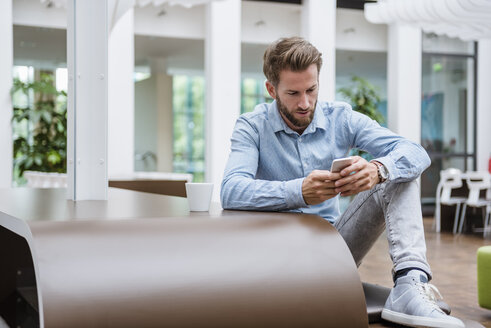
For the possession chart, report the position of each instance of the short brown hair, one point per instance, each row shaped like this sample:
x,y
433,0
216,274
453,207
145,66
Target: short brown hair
x,y
295,54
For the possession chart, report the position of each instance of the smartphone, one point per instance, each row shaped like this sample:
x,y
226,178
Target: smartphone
x,y
341,163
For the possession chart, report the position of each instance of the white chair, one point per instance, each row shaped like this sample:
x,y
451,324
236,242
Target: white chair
x,y
487,218
449,179
477,181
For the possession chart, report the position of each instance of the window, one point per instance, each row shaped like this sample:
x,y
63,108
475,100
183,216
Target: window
x,y
367,65
253,92
188,109
39,121
447,108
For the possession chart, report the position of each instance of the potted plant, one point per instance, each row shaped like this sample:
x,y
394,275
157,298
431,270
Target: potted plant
x,y
40,127
364,98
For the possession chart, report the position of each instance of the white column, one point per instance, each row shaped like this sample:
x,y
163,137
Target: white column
x,y
222,68
404,81
6,63
483,120
121,96
319,27
87,55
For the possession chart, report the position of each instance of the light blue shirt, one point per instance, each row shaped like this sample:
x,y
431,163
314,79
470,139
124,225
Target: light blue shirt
x,y
269,161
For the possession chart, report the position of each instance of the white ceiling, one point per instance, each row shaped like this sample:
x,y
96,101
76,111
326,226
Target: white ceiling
x,y
46,48
39,46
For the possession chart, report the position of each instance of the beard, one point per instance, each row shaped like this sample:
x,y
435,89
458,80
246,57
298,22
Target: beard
x,y
297,122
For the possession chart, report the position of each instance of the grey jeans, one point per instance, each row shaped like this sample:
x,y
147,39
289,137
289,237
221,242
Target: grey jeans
x,y
390,205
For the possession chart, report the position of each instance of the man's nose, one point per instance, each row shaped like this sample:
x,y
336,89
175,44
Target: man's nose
x,y
304,102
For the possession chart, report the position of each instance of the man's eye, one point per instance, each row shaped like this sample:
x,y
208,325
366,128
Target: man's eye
x,y
292,93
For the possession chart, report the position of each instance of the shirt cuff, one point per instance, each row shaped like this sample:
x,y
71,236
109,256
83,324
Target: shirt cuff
x,y
293,193
389,165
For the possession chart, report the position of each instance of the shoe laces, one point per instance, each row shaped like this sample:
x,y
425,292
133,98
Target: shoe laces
x,y
431,294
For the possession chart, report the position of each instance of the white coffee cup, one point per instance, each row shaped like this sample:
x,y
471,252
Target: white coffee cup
x,y
199,195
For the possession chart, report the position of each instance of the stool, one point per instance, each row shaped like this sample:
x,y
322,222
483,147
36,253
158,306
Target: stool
x,y
484,276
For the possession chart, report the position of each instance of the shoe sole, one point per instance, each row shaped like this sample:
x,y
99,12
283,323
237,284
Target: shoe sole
x,y
417,321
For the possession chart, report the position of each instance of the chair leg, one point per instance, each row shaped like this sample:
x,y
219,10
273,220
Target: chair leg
x,y
456,219
437,223
487,222
462,217
484,222
487,218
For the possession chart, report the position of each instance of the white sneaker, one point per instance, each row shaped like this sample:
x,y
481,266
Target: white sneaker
x,y
412,302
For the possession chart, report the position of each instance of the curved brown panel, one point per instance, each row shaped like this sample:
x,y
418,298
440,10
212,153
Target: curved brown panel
x,y
263,270
144,260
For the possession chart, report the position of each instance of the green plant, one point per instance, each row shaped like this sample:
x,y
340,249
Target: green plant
x,y
364,98
40,128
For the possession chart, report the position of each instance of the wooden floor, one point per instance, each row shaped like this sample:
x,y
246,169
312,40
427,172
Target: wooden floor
x,y
453,261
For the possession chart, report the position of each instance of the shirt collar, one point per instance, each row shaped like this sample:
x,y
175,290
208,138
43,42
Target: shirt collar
x,y
278,124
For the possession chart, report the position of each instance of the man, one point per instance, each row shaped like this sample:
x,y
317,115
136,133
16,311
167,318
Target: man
x,y
280,160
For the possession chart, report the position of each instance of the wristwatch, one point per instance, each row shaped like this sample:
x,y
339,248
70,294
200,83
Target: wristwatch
x,y
383,173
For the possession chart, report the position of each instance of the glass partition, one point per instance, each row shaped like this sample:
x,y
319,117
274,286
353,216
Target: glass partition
x,y
447,108
189,125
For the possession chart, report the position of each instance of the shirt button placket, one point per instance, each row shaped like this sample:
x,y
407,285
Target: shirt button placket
x,y
303,160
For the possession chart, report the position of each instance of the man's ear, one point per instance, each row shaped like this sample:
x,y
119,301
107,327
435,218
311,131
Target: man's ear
x,y
271,89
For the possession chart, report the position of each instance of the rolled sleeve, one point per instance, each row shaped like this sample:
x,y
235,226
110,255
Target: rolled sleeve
x,y
406,161
389,165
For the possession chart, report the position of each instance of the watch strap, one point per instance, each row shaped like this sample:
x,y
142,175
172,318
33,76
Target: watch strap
x,y
382,176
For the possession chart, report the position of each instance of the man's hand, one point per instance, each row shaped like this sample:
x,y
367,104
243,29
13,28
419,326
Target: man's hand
x,y
318,186
365,177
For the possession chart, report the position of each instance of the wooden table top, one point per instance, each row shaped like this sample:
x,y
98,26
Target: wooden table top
x,y
36,204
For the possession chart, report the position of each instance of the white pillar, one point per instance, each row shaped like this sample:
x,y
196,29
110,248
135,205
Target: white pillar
x,y
404,81
87,49
222,68
6,63
319,27
121,96
483,120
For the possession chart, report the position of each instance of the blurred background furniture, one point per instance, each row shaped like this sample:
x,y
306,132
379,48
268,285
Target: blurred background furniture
x,y
487,220
476,182
171,184
163,183
450,179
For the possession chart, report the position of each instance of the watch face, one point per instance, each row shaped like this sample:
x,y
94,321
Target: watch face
x,y
383,172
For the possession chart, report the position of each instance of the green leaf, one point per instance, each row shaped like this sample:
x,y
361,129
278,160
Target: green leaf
x,y
29,162
54,157
46,116
38,159
363,97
